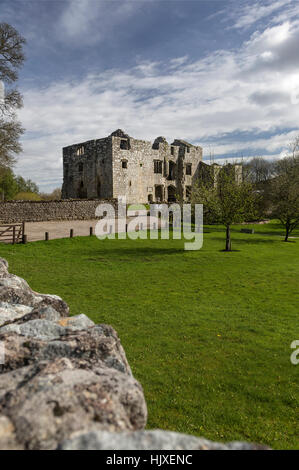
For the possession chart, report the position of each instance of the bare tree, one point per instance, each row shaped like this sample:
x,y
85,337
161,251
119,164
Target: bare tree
x,y
55,195
11,59
258,170
294,147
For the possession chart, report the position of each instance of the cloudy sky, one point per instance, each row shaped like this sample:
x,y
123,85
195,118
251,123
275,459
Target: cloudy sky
x,y
223,74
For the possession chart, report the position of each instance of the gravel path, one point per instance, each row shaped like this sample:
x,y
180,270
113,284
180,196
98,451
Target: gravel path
x,y
61,228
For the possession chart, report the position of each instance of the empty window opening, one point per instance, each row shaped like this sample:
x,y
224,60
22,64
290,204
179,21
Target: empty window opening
x,y
171,194
80,167
172,150
124,164
80,151
171,175
124,144
158,166
189,169
188,149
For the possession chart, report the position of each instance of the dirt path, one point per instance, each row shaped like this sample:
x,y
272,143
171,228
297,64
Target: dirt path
x,y
61,228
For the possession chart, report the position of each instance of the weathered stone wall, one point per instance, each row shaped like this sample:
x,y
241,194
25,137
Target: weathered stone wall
x,y
140,183
87,170
37,211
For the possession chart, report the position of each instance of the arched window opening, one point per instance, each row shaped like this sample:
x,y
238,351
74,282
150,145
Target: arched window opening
x,y
80,150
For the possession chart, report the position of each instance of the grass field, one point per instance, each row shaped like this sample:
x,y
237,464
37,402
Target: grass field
x,y
207,333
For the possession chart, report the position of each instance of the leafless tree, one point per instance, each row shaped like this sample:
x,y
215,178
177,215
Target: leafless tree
x,y
285,190
258,170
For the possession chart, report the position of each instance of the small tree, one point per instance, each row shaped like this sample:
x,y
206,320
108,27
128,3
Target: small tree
x,y
228,203
26,186
285,193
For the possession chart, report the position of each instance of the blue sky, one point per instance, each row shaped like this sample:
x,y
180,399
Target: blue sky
x,y
221,74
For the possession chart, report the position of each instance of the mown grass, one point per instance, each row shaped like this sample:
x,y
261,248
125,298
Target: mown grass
x,y
207,333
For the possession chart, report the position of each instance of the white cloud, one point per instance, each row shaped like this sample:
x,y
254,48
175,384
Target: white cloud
x,y
255,146
228,92
252,13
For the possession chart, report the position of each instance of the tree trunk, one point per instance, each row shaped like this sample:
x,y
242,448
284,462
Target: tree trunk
x,y
287,233
228,244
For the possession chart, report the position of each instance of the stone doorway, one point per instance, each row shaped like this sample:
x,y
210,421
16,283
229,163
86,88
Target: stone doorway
x,y
159,193
82,191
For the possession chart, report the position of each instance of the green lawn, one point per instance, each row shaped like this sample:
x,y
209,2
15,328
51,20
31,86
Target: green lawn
x,y
207,333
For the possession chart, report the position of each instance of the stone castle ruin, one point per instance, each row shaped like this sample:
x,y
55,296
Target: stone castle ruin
x,y
120,165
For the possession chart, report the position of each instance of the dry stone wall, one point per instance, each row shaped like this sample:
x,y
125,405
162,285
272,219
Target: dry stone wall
x,y
38,211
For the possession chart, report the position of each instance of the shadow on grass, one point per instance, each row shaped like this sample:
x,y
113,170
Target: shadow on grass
x,y
229,251
122,252
253,241
277,234
275,230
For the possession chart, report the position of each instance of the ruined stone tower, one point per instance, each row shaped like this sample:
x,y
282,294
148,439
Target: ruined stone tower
x,y
120,165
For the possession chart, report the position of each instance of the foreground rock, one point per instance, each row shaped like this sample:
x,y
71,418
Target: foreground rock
x,y
15,290
8,440
148,440
97,346
48,401
10,313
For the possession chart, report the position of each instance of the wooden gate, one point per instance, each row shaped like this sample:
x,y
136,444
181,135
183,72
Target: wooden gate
x,y
12,233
